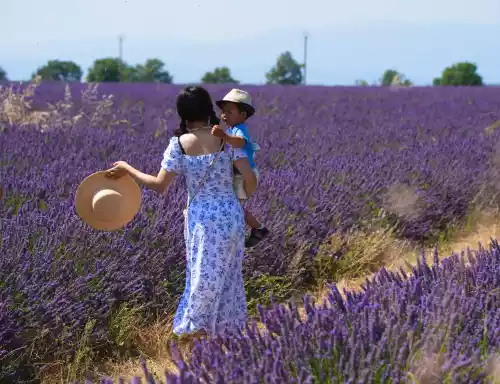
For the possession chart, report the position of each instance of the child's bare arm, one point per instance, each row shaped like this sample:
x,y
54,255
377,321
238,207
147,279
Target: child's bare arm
x,y
234,141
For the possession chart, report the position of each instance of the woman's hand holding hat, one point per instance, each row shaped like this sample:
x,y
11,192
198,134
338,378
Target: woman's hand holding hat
x,y
120,169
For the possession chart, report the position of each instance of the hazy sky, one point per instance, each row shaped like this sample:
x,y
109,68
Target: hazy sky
x,y
349,40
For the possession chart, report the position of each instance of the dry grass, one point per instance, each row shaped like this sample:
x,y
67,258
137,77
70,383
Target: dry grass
x,y
485,227
357,253
16,107
152,343
494,369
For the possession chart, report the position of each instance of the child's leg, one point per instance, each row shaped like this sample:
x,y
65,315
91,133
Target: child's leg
x,y
251,220
258,232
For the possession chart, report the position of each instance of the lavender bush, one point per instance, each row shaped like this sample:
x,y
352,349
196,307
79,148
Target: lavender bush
x,y
333,159
439,324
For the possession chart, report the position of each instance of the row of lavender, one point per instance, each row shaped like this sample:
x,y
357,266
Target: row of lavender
x,y
330,157
441,324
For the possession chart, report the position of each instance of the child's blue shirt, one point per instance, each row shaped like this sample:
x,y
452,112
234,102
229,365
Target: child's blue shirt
x,y
248,148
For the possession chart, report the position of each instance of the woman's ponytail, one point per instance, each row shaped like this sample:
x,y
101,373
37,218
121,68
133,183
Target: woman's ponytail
x,y
182,129
214,120
183,126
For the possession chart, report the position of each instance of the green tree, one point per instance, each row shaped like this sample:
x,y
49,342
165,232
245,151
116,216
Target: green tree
x,y
109,70
115,70
464,73
220,75
56,70
151,72
3,75
393,77
286,71
361,83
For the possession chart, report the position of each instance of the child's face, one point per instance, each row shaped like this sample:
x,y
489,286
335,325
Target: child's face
x,y
231,115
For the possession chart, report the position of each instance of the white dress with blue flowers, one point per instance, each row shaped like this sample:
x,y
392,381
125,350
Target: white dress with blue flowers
x,y
214,232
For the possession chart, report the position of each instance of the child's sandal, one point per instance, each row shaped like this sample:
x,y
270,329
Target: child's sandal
x,y
256,236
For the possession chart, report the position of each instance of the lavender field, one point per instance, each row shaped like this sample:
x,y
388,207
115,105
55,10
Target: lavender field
x,y
416,161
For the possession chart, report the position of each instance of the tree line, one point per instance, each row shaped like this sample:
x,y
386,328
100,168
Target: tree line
x,y
286,71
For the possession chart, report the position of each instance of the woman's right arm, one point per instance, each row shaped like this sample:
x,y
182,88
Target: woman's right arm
x,y
158,183
249,178
170,167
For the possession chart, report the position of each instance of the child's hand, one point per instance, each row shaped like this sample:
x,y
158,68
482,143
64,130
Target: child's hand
x,y
217,131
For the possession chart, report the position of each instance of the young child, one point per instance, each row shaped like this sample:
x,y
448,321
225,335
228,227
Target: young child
x,y
236,108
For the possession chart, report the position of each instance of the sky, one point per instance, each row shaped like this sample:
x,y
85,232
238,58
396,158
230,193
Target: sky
x,y
347,40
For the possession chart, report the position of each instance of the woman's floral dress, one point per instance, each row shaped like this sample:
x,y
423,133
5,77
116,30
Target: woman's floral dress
x,y
214,232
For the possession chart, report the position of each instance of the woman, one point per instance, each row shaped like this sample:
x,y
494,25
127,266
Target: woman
x,y
214,230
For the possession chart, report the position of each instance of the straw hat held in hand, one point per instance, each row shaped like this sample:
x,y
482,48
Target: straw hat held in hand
x,y
108,200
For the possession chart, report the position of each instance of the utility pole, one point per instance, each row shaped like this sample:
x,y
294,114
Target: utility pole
x,y
120,55
305,58
120,47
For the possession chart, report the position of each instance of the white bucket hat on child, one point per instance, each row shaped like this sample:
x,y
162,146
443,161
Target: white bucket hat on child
x,y
238,96
107,204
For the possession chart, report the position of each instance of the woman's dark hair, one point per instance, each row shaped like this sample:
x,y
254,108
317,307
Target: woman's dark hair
x,y
194,104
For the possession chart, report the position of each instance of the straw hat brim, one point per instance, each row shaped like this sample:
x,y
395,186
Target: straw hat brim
x,y
251,109
95,182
